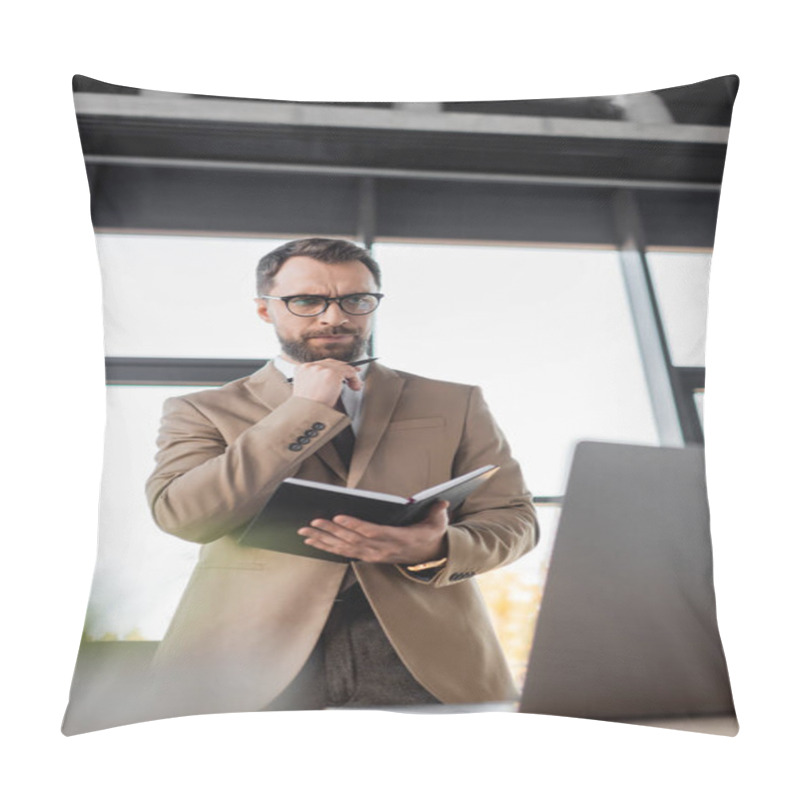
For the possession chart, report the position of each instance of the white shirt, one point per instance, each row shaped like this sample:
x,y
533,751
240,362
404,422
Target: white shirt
x,y
352,400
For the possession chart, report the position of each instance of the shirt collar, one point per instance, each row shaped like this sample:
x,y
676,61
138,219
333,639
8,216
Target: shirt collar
x,y
284,366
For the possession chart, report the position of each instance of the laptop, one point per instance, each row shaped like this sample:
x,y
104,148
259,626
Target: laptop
x,y
627,629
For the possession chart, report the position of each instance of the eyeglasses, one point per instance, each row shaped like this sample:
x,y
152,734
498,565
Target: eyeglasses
x,y
312,305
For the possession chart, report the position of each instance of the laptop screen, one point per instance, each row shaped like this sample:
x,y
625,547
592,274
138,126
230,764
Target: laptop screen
x,y
627,628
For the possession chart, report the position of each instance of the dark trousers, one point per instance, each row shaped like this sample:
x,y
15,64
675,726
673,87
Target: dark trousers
x,y
353,665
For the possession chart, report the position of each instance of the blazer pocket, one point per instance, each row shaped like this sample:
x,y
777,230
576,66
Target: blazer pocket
x,y
412,449
424,422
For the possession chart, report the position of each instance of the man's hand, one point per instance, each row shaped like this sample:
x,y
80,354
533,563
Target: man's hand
x,y
381,544
323,380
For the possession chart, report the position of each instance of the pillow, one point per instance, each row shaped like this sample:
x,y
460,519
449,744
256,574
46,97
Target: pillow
x,y
544,268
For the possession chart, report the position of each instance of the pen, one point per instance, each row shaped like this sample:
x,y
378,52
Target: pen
x,y
351,363
363,361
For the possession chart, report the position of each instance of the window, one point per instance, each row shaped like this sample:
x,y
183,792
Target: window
x,y
183,296
681,284
140,571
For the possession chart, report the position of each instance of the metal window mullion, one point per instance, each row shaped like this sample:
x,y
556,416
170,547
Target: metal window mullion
x,y
692,379
177,371
650,335
366,227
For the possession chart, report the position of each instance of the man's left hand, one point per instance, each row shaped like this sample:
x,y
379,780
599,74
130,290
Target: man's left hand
x,y
381,544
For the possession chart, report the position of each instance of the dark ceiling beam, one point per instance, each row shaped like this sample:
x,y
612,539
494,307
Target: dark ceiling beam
x,y
264,112
241,167
309,147
219,202
416,174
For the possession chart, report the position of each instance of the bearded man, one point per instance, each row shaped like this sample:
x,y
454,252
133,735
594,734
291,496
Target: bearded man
x,y
401,623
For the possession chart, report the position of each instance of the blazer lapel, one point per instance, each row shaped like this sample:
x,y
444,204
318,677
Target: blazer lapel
x,y
382,391
329,455
270,387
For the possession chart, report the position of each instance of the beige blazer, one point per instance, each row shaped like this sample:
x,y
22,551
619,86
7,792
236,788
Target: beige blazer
x,y
249,618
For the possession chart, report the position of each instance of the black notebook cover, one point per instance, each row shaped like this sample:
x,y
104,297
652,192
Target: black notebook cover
x,y
295,503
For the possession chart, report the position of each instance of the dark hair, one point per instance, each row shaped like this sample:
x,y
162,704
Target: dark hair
x,y
329,251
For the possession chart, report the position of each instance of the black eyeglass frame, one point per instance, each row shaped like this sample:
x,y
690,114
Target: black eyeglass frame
x,y
328,300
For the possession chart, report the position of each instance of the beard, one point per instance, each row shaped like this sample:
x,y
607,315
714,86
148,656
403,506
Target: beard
x,y
304,350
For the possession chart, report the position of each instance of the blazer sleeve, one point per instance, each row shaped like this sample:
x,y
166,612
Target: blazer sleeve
x,y
204,487
496,524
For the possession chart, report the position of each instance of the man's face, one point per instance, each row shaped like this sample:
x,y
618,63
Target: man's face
x,y
333,334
